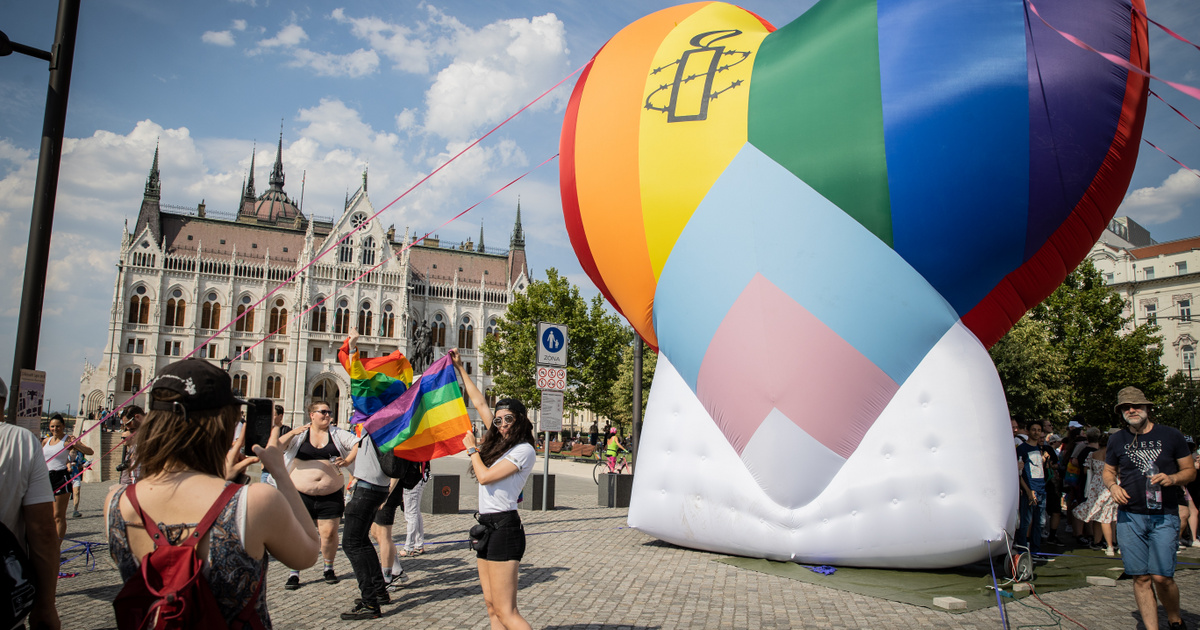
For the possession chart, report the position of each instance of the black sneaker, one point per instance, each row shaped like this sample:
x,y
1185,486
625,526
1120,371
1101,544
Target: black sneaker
x,y
396,581
1177,625
382,597
330,577
293,583
362,610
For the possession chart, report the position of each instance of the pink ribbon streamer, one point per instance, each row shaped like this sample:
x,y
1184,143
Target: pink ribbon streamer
x,y
1155,94
150,382
1165,29
1172,157
1120,61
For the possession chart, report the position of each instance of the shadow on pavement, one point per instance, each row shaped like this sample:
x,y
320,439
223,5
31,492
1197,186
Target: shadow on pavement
x,y
603,626
458,583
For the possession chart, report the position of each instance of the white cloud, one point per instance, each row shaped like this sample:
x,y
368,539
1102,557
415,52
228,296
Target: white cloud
x,y
239,25
356,64
495,71
1152,206
287,37
396,42
406,119
217,38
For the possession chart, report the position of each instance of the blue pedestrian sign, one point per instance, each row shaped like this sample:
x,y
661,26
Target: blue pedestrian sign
x,y
552,344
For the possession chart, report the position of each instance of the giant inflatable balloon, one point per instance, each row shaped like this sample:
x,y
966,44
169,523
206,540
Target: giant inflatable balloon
x,y
821,228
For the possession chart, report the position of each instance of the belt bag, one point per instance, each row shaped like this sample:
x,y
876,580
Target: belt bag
x,y
479,535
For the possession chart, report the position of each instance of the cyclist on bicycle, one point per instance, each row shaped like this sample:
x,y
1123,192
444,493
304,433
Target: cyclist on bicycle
x,y
614,444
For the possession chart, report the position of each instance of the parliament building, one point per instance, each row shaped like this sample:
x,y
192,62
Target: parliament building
x,y
184,273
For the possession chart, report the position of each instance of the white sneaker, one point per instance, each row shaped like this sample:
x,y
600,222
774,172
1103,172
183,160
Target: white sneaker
x,y
1108,551
1196,543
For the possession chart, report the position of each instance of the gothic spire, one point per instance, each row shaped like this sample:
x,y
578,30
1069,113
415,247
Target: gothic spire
x,y
518,235
479,248
153,183
248,190
277,172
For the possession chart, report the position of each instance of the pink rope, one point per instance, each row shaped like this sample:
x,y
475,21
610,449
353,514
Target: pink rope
x,y
1120,61
1172,157
360,276
314,260
1167,30
1155,94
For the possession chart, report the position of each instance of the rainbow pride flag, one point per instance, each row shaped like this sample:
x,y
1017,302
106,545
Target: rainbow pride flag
x,y
427,421
375,382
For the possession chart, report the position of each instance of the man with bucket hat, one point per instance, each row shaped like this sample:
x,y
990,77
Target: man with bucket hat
x,y
1145,468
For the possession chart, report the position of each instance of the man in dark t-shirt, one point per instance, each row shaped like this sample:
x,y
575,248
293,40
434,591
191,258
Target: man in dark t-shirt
x,y
1033,489
1144,468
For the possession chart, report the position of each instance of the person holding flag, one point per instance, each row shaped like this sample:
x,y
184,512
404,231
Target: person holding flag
x,y
501,467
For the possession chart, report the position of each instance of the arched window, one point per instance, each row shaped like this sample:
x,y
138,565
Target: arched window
x,y
1189,358
437,331
341,317
466,334
368,251
278,318
365,318
133,379
387,323
318,319
245,324
241,384
139,307
210,313
493,329
274,387
346,252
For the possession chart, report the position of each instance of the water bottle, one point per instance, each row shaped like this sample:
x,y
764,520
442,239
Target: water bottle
x,y
1153,490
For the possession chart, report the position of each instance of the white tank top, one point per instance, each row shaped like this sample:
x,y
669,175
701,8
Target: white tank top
x,y
55,454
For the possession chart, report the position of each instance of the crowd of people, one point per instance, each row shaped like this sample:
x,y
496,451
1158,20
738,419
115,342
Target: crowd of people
x,y
185,493
1129,490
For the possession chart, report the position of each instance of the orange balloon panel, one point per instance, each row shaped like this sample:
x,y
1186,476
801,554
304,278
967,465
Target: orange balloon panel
x,y
606,163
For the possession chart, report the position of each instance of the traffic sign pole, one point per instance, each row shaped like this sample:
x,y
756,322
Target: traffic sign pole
x,y
551,376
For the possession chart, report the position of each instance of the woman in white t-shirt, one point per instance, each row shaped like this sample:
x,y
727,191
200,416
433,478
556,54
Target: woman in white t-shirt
x,y
56,452
501,465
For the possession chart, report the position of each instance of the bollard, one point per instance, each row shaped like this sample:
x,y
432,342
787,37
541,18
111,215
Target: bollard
x,y
533,493
441,495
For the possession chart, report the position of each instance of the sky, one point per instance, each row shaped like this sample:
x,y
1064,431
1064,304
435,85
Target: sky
x,y
392,87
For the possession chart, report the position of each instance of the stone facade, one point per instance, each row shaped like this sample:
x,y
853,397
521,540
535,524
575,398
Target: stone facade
x,y
184,274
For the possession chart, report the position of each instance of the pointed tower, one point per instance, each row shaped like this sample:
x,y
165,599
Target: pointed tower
x,y
273,206
277,171
518,271
479,248
148,214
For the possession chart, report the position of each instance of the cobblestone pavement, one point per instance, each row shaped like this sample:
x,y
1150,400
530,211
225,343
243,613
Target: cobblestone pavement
x,y
585,570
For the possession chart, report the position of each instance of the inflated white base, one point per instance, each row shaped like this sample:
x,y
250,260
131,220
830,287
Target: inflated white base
x,y
932,480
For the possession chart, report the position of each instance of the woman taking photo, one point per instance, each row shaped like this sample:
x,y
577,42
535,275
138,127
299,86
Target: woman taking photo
x,y
186,463
314,454
500,465
56,453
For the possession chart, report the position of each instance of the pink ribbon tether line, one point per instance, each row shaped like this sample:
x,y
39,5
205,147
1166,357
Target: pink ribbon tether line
x,y
1124,63
1185,166
348,234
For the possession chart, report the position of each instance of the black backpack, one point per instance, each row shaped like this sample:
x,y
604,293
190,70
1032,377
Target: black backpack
x,y
409,473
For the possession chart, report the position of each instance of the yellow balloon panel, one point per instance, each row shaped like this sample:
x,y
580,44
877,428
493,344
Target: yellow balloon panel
x,y
693,117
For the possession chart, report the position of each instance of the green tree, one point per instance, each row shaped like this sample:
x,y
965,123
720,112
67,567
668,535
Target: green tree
x,y
622,389
1034,373
593,354
1180,404
1101,354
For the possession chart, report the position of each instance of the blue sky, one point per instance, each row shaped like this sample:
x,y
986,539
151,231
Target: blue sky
x,y
395,87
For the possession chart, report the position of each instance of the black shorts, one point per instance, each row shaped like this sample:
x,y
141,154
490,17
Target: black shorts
x,y
386,515
59,478
329,506
507,539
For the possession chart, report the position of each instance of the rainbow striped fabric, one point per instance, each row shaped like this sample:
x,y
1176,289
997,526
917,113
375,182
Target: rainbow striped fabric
x,y
375,382
427,420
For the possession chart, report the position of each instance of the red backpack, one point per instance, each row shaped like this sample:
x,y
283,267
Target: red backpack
x,y
170,591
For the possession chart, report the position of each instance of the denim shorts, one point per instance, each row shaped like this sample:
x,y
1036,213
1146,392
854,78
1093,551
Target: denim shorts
x,y
1148,542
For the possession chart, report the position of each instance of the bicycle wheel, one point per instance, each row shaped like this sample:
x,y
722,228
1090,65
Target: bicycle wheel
x,y
600,468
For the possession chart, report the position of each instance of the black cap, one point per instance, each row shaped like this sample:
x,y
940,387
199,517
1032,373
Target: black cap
x,y
200,385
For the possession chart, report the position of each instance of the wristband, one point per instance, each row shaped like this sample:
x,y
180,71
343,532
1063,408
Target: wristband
x,y
471,451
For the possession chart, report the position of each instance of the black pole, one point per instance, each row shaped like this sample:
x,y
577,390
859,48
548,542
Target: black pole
x,y
37,256
637,397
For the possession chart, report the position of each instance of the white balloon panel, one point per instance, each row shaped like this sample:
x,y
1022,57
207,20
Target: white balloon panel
x,y
932,480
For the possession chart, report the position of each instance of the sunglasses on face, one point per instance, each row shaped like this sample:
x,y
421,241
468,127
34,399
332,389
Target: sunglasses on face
x,y
1124,408
505,420
323,412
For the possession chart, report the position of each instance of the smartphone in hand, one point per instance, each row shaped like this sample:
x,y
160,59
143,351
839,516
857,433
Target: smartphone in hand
x,y
258,423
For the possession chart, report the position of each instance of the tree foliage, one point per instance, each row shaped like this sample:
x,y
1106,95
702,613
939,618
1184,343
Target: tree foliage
x,y
622,389
1179,405
1086,333
596,338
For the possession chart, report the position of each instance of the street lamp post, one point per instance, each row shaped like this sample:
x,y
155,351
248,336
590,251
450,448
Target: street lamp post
x,y
37,255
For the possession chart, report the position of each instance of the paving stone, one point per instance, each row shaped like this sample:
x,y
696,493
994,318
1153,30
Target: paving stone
x,y
586,569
